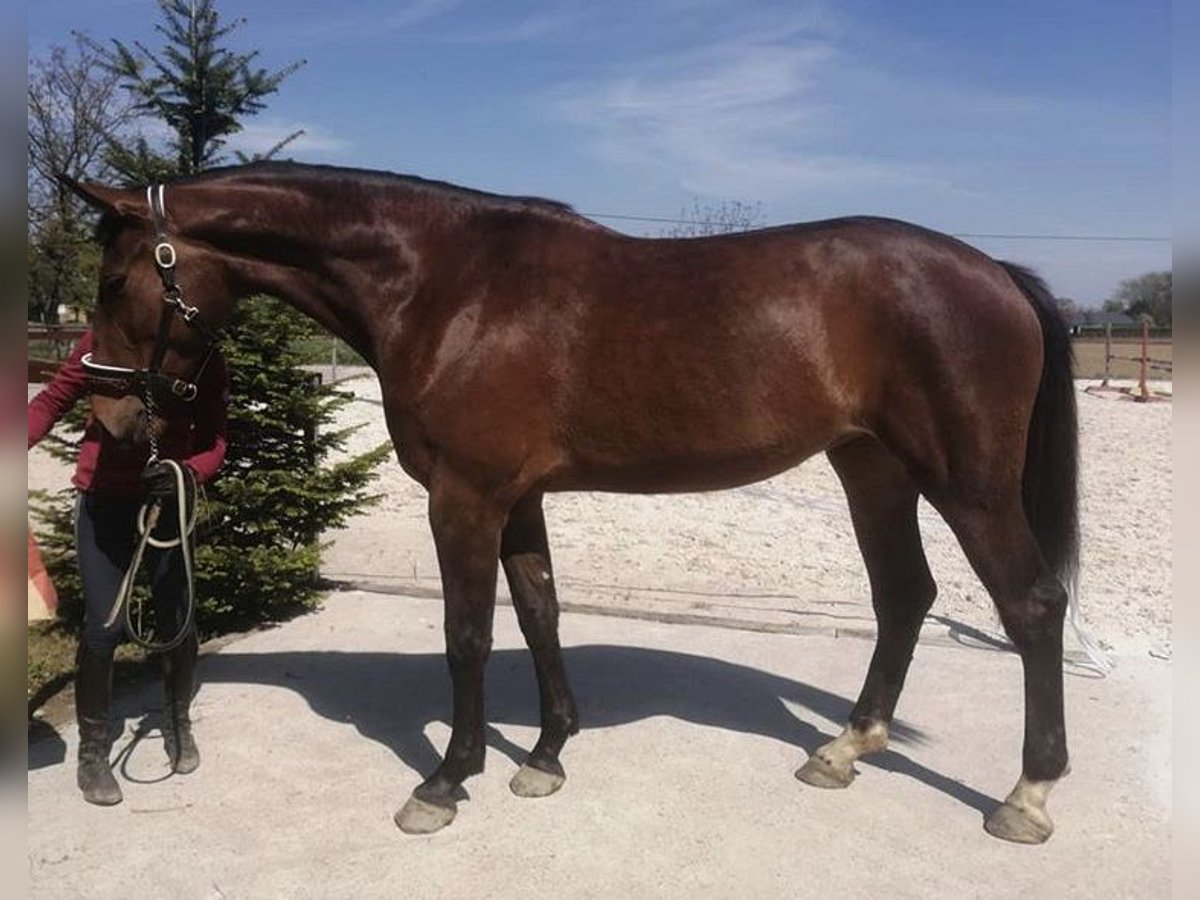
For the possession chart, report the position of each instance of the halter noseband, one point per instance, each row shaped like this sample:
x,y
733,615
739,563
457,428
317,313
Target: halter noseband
x,y
124,380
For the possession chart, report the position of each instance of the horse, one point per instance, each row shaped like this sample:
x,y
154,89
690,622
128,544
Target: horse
x,y
523,348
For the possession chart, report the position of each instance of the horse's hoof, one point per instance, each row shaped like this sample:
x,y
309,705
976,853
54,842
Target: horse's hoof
x,y
1020,825
533,782
820,773
419,816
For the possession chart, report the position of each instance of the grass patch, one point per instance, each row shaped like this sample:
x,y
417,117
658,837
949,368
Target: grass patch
x,y
1089,358
50,661
318,351
47,349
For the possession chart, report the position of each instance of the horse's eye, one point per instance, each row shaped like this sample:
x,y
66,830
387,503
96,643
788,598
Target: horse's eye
x,y
111,285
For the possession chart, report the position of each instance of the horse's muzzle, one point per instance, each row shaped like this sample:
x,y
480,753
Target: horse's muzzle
x,y
126,418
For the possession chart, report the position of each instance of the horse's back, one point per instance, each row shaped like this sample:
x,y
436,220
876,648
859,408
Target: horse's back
x,y
722,360
584,359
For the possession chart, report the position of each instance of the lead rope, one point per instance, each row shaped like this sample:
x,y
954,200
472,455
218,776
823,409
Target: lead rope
x,y
147,520
1097,660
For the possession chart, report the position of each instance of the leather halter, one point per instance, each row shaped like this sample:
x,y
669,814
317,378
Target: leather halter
x,y
124,380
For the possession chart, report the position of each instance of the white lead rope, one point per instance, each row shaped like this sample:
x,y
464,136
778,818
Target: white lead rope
x,y
146,521
1097,660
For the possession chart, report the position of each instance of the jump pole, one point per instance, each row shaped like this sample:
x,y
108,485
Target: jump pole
x,y
1145,390
1107,354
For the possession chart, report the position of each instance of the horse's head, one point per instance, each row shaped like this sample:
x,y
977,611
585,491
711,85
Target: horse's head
x,y
156,307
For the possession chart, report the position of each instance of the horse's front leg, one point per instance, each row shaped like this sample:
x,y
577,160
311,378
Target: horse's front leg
x,y
525,554
466,530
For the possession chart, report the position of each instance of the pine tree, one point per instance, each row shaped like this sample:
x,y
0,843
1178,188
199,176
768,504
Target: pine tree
x,y
258,551
201,89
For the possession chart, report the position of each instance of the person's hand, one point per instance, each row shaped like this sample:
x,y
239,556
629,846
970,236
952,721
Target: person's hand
x,y
159,480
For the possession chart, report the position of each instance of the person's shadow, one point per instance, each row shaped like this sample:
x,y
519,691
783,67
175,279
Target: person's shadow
x,y
46,746
135,689
392,697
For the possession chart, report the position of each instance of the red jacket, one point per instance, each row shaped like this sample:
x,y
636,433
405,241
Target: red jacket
x,y
194,432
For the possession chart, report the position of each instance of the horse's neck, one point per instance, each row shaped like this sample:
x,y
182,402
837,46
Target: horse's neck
x,y
330,300
343,268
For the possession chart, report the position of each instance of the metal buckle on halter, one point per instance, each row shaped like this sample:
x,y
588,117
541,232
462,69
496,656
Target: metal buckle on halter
x,y
184,390
174,297
164,255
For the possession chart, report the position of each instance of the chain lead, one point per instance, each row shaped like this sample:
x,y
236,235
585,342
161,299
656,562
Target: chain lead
x,y
148,402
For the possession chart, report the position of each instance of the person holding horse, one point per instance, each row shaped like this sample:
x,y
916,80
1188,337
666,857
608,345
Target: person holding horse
x,y
114,479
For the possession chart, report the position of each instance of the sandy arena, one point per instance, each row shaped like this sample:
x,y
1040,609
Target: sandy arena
x,y
680,782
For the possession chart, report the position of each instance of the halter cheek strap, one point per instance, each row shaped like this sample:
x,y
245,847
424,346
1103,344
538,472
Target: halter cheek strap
x,y
125,380
164,261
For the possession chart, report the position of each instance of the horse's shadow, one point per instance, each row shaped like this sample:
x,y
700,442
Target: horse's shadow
x,y
392,697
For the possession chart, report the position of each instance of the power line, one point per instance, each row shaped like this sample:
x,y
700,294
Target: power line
x,y
1127,238
1121,238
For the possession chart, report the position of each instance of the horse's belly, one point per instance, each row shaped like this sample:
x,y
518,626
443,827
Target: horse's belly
x,y
701,468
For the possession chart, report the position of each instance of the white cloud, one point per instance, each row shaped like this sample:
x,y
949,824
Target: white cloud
x,y
740,118
341,23
539,25
257,136
260,135
417,11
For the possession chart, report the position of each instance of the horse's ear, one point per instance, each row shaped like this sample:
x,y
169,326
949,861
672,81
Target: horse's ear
x,y
104,199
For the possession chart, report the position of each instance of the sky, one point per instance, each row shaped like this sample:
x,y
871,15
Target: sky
x,y
974,118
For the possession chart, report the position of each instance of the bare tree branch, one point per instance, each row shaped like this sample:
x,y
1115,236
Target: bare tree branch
x,y
723,218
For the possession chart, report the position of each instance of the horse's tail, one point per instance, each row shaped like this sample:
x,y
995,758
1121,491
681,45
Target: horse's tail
x,y
1050,481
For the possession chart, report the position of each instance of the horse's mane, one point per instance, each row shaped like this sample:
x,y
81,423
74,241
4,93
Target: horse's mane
x,y
310,174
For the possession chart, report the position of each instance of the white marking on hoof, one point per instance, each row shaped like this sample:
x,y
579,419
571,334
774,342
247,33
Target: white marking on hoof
x,y
531,782
832,766
1019,825
418,816
1023,818
821,773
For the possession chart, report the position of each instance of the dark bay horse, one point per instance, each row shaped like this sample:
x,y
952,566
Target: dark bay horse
x,y
524,349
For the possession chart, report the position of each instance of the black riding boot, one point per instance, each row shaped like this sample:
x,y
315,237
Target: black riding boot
x,y
93,694
179,681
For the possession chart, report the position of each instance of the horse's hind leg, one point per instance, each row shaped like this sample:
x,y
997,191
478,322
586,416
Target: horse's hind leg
x,y
883,508
1032,602
525,554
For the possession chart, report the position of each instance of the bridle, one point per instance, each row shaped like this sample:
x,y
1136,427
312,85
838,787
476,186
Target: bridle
x,y
124,380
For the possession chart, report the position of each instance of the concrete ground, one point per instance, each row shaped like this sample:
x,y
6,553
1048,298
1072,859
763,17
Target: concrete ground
x,y
679,785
